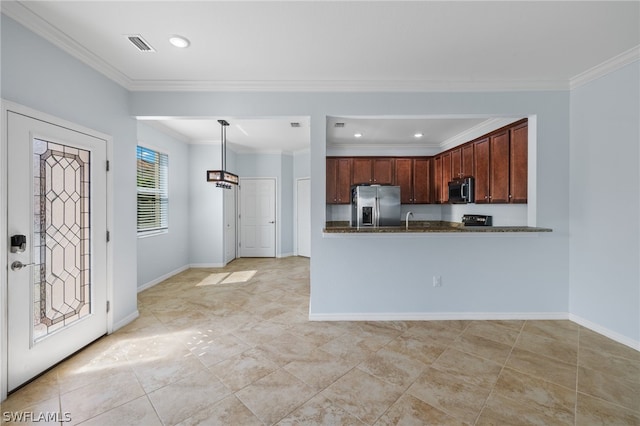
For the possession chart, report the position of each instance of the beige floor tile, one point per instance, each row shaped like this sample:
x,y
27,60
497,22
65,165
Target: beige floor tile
x,y
211,348
319,369
494,331
197,350
424,350
392,367
615,389
180,400
229,411
562,330
594,411
320,411
565,351
549,369
597,342
362,395
136,412
452,395
274,396
553,400
470,368
243,369
100,396
482,347
409,410
609,364
155,374
503,411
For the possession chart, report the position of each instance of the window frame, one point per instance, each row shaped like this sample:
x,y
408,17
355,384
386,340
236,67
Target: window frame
x,y
161,191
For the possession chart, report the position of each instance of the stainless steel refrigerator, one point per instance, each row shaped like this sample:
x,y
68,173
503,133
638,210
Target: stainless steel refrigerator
x,y
375,205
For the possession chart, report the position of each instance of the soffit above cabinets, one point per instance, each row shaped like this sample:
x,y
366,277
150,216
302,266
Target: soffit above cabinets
x,y
396,135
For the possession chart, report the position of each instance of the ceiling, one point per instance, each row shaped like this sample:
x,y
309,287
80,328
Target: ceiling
x,y
334,46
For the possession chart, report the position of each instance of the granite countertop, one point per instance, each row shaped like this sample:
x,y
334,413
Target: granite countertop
x,y
430,226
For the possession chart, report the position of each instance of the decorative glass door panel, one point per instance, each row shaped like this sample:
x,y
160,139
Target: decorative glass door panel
x,y
62,218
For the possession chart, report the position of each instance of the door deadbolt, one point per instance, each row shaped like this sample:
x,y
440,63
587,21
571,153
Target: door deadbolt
x,y
17,265
18,243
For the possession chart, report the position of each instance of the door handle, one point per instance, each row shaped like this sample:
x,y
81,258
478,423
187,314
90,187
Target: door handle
x,y
272,221
17,265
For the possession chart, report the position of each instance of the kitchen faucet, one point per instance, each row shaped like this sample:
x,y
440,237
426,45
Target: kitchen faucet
x,y
407,220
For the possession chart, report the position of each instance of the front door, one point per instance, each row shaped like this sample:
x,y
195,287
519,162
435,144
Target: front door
x,y
56,285
258,218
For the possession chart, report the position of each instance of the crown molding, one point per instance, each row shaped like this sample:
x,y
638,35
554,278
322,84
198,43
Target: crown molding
x,y
608,66
25,16
347,85
481,129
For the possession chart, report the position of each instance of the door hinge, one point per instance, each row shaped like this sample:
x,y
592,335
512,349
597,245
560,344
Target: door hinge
x,y
108,306
108,165
108,236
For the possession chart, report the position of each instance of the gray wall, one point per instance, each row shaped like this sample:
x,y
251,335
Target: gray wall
x,y
162,254
38,75
605,189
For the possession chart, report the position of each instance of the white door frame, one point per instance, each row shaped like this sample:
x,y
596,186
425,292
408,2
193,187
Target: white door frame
x,y
295,213
276,240
226,260
20,109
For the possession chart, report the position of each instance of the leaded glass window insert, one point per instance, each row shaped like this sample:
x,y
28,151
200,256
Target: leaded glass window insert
x,y
152,186
62,237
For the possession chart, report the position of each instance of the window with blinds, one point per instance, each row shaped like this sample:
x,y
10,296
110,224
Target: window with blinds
x,y
153,199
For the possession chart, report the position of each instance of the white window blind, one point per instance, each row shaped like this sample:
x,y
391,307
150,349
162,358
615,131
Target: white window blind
x,y
153,197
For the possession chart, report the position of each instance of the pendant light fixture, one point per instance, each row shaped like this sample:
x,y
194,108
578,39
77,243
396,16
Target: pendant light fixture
x,y
222,178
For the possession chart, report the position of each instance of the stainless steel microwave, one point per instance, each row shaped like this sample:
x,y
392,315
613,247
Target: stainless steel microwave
x,y
462,191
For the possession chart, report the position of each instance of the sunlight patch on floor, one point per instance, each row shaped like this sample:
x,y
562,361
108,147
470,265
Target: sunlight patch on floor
x,y
227,278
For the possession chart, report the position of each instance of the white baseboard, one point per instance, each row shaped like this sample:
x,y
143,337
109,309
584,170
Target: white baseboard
x,y
162,278
285,255
438,316
126,320
633,344
207,265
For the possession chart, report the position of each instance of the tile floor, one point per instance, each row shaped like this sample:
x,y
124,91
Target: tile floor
x,y
233,346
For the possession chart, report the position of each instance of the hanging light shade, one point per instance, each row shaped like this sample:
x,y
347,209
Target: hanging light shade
x,y
222,178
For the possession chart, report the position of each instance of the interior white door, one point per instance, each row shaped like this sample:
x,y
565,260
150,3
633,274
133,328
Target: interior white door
x,y
303,209
56,286
230,238
258,218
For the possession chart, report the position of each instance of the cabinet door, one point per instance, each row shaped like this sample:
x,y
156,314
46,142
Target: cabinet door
x,y
421,181
467,160
456,163
437,179
332,179
481,173
383,171
499,168
343,182
404,172
446,176
362,169
518,164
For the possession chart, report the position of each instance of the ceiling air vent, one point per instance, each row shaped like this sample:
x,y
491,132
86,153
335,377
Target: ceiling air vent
x,y
295,124
339,125
140,43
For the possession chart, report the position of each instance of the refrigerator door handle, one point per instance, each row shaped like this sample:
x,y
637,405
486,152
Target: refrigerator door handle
x,y
377,214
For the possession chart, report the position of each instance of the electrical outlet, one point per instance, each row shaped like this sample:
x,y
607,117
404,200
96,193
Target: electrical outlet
x,y
437,281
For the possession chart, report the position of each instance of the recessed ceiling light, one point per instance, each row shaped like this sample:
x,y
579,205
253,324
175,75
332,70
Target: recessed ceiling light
x,y
179,41
418,135
357,135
